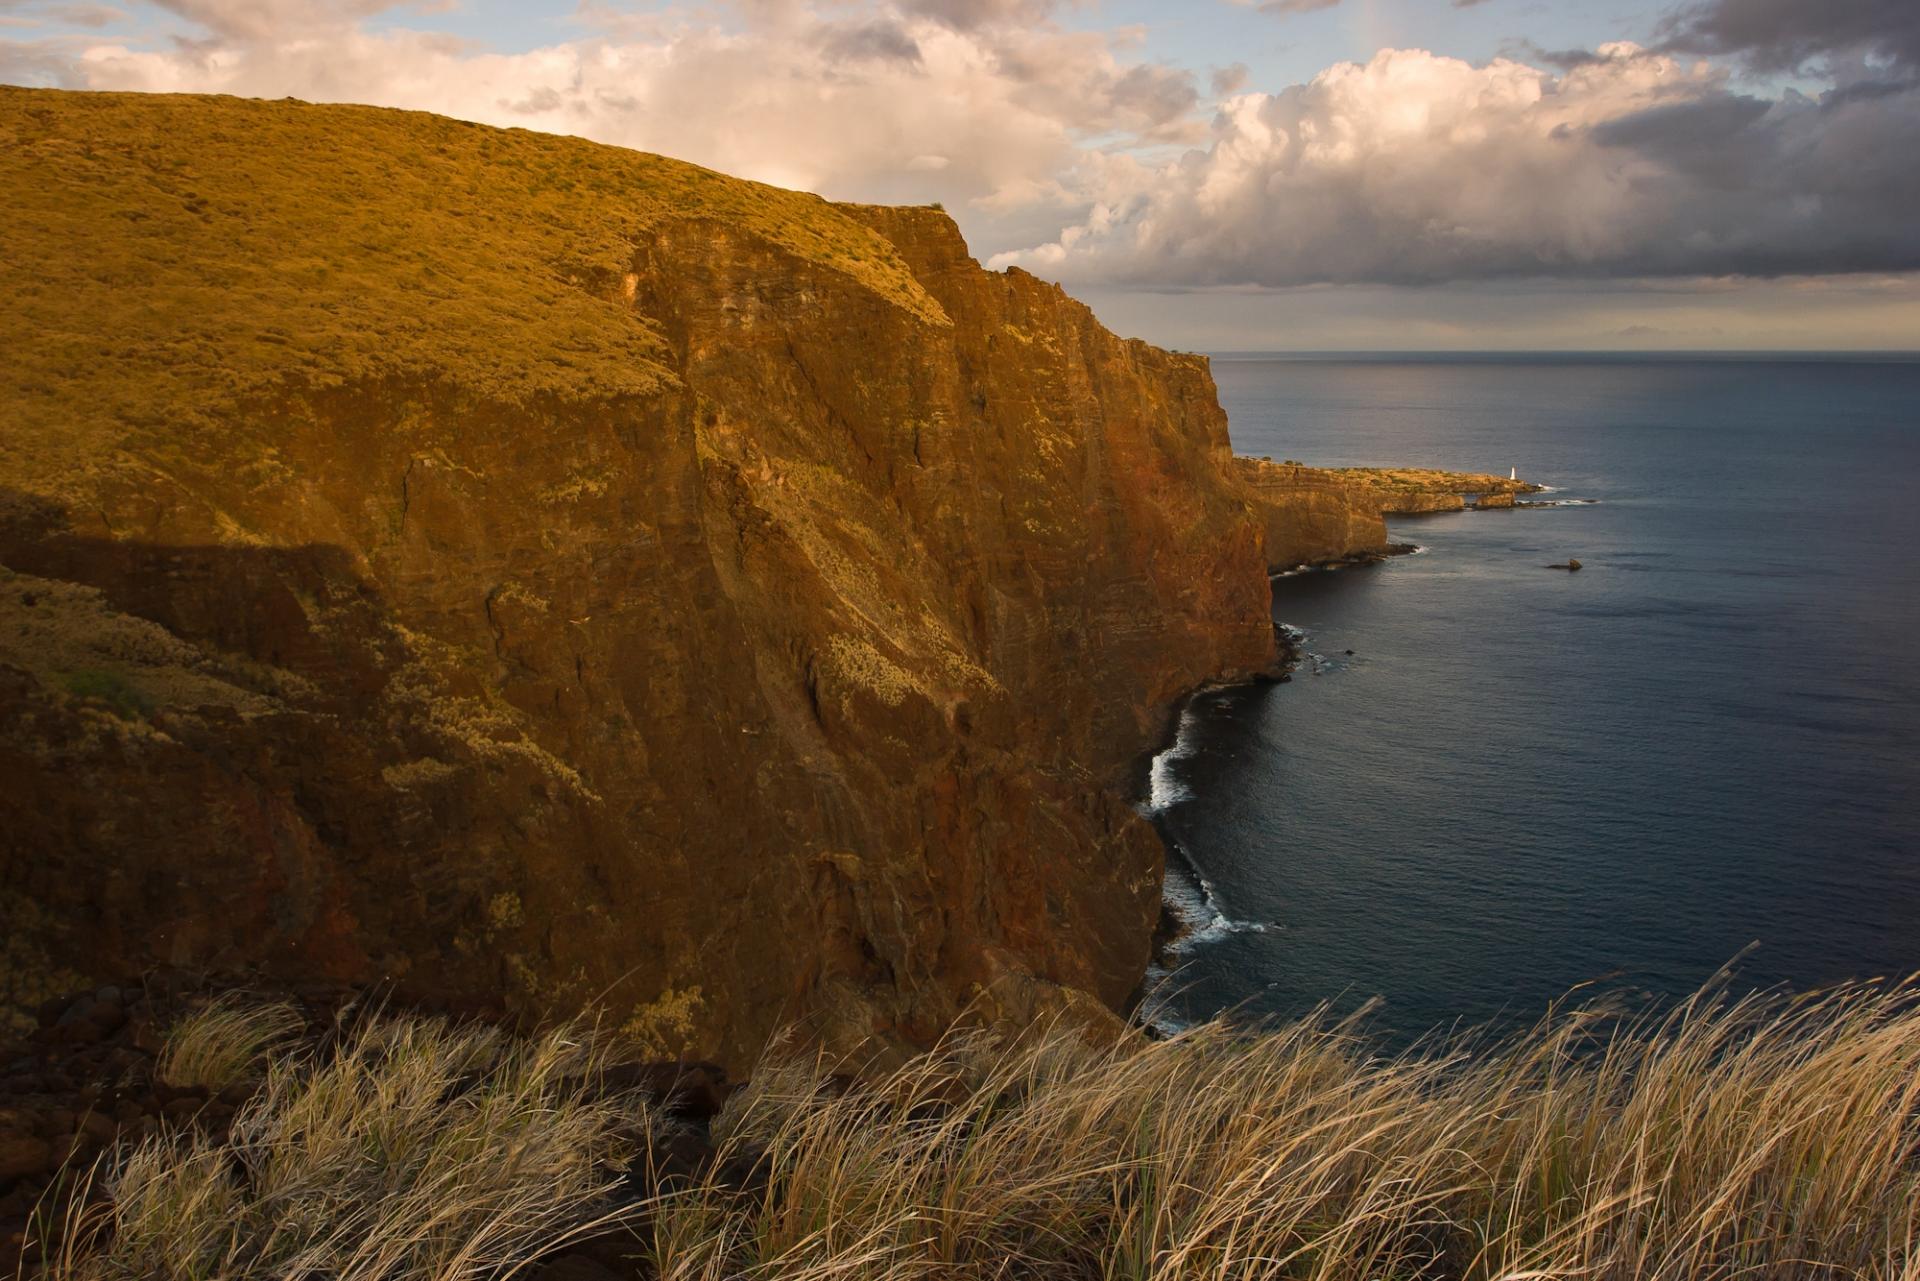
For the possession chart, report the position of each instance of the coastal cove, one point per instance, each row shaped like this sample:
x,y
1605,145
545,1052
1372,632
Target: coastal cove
x,y
1519,781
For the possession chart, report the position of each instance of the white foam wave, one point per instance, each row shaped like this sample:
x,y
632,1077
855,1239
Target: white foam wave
x,y
1316,662
1196,903
1164,788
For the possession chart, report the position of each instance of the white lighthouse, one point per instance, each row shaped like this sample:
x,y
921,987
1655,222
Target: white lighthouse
x,y
1513,473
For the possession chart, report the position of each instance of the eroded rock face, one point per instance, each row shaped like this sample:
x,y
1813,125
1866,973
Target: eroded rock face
x,y
762,631
1310,515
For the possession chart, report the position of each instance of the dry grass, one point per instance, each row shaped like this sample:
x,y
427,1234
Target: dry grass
x,y
1731,1138
222,1042
1735,1138
411,1149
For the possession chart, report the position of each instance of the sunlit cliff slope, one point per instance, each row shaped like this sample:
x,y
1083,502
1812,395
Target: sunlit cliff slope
x,y
539,573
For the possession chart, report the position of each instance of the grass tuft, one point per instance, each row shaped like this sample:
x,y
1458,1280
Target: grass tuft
x,y
411,1149
223,1042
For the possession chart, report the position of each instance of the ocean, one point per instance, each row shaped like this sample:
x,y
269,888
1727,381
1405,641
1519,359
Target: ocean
x,y
1491,786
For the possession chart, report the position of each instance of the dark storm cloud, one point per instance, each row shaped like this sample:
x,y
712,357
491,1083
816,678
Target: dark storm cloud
x,y
1781,35
1564,59
1682,128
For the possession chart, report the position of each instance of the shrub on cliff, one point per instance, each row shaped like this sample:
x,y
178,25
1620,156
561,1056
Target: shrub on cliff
x,y
1757,1137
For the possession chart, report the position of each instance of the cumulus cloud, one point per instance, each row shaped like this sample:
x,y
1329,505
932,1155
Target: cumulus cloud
x,y
1415,168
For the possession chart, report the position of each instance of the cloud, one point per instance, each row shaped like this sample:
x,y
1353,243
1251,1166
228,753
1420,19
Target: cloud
x,y
867,41
47,61
263,19
23,14
1414,168
1228,80
82,15
971,15
1288,6
1784,35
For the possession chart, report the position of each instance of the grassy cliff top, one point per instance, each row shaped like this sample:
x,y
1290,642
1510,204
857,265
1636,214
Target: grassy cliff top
x,y
1431,480
168,258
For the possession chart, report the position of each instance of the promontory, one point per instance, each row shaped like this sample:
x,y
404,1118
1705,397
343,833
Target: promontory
x,y
534,575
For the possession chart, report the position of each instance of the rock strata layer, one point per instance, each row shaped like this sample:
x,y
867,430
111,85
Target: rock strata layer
x,y
535,574
1310,515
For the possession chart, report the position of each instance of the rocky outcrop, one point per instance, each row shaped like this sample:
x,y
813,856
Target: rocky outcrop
x,y
1310,515
1418,491
536,574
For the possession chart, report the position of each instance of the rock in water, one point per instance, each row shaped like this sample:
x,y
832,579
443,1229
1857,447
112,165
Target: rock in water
x,y
539,573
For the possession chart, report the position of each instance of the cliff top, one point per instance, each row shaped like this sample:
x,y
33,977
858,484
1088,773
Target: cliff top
x,y
164,255
1432,481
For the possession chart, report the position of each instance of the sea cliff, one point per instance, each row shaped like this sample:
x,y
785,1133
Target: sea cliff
x,y
534,574
1310,515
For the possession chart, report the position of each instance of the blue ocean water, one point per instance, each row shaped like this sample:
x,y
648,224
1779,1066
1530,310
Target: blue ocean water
x,y
1523,780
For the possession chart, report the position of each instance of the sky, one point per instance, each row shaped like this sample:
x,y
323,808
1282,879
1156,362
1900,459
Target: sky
x,y
1213,175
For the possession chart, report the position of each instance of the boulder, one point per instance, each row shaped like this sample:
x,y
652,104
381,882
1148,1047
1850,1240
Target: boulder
x,y
24,1155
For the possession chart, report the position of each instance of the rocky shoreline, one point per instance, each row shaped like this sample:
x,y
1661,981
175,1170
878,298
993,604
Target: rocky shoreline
x,y
1378,491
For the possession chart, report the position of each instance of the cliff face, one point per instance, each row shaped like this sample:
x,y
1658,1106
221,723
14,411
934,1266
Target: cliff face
x,y
1411,502
540,574
1309,515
